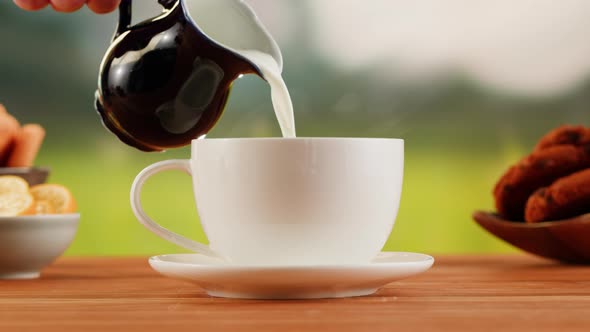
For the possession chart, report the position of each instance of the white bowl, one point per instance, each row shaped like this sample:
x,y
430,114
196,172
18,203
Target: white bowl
x,y
30,243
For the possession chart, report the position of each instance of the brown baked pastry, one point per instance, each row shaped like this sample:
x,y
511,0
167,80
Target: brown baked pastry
x,y
538,170
567,197
565,135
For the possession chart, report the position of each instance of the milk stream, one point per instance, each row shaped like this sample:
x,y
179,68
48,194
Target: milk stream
x,y
234,25
281,99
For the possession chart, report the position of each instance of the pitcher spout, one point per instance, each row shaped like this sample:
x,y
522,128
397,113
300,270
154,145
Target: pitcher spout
x,y
231,16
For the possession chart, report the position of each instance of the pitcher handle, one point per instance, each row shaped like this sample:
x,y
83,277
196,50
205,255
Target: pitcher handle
x,y
125,14
125,11
136,188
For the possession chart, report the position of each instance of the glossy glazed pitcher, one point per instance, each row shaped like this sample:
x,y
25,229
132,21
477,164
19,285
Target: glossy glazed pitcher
x,y
165,81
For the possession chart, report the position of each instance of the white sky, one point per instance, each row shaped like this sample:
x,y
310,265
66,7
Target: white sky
x,y
528,46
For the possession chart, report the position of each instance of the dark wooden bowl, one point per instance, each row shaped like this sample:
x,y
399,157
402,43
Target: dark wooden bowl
x,y
33,175
564,240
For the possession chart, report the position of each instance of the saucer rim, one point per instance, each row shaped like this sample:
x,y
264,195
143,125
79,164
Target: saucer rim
x,y
425,260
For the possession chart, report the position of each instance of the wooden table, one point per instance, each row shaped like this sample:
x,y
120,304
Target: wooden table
x,y
466,293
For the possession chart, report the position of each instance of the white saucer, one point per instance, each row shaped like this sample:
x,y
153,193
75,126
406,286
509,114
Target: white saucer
x,y
221,279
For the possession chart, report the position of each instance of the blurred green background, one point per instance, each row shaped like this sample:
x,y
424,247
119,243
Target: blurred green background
x,y
470,87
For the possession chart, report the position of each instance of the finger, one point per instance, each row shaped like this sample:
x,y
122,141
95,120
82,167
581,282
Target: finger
x,y
31,4
103,6
3,109
67,6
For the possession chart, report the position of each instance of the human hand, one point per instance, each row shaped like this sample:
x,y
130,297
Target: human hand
x,y
68,6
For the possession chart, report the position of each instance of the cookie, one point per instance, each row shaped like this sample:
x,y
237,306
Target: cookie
x,y
538,170
564,135
566,198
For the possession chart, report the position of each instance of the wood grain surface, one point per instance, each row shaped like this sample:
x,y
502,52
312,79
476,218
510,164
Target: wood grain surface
x,y
461,293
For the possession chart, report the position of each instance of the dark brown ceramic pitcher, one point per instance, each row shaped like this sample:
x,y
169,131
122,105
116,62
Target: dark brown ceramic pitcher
x,y
165,81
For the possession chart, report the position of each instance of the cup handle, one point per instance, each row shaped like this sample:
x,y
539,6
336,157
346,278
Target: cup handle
x,y
136,188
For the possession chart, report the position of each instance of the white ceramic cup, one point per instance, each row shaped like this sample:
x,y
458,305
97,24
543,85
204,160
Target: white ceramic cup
x,y
277,201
